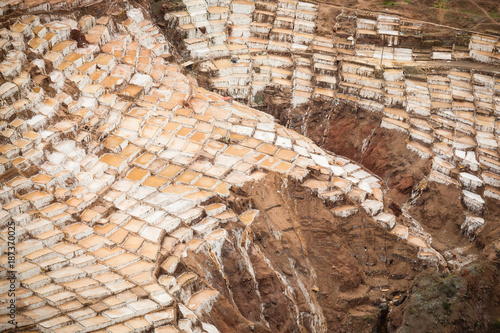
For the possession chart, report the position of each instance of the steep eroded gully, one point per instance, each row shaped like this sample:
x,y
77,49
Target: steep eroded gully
x,y
438,208
298,269
352,132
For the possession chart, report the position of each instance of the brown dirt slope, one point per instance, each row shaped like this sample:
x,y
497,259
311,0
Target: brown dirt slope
x,y
356,134
465,301
297,268
440,211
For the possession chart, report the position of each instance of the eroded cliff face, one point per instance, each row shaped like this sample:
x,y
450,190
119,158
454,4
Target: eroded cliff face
x,y
357,134
298,269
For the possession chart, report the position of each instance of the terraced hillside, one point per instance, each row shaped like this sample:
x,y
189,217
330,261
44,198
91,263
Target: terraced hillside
x,y
148,195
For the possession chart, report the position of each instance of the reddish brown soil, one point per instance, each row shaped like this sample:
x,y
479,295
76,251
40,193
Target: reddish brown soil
x,y
79,37
357,134
489,237
440,211
336,268
384,153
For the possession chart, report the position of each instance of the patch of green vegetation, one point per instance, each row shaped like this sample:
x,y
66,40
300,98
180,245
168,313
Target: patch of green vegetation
x,y
436,295
440,4
468,12
495,15
447,307
414,70
448,286
120,18
258,98
476,269
408,1
379,73
448,299
369,319
388,3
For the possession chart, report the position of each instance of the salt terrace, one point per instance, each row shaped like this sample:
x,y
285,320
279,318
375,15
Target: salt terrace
x,y
134,165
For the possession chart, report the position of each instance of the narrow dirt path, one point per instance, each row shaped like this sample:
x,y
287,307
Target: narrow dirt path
x,y
485,12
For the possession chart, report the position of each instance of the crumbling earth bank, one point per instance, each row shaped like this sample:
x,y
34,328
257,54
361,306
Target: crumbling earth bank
x,y
297,269
356,133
